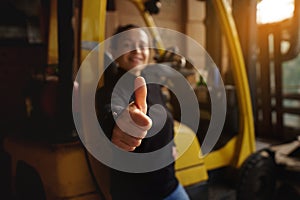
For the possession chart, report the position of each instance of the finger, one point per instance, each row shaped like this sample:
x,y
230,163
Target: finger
x,y
140,118
140,93
131,141
129,122
124,141
124,146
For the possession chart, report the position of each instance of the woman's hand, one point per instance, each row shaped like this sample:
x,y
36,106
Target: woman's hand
x,y
133,123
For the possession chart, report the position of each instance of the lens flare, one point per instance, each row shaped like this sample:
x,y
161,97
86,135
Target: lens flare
x,y
272,11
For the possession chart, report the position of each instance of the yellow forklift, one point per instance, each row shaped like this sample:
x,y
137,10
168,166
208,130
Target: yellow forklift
x,y
54,164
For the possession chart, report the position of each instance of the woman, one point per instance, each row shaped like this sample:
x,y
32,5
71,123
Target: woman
x,y
160,184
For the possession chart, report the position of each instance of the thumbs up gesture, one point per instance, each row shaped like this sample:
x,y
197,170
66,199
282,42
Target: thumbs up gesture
x,y
133,123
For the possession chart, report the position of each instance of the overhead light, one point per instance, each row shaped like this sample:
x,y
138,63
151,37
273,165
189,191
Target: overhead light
x,y
272,11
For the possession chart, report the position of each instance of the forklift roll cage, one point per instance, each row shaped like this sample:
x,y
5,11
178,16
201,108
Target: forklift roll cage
x,y
66,171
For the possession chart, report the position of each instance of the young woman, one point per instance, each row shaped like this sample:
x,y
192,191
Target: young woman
x,y
160,184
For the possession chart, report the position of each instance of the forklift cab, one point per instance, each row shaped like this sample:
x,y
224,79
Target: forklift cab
x,y
63,168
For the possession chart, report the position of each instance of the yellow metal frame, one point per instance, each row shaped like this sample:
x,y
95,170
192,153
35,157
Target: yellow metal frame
x,y
61,167
245,141
102,19
190,166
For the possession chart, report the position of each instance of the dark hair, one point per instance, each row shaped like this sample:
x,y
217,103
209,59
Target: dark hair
x,y
120,29
127,27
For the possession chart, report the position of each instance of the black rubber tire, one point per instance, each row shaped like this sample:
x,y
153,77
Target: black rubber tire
x,y
257,177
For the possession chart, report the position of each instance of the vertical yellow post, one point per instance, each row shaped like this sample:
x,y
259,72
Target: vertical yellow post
x,y
246,137
102,19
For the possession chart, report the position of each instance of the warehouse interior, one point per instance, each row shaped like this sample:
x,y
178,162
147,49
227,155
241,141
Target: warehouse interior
x,y
253,46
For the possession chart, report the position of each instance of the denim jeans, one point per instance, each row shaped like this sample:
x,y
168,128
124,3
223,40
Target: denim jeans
x,y
178,194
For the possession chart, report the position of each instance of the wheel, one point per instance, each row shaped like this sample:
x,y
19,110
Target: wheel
x,y
257,177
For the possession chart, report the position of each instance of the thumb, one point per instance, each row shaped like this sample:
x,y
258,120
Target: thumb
x,y
140,94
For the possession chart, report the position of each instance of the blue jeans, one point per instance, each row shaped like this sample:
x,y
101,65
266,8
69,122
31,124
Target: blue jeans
x,y
178,194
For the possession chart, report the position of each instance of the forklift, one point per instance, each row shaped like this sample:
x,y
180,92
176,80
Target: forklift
x,y
46,159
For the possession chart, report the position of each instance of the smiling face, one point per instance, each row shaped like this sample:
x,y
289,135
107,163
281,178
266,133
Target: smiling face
x,y
133,48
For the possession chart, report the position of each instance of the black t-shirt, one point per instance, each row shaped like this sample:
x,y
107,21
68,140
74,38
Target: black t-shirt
x,y
151,185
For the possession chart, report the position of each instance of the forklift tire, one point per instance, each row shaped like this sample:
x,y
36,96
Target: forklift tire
x,y
257,177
